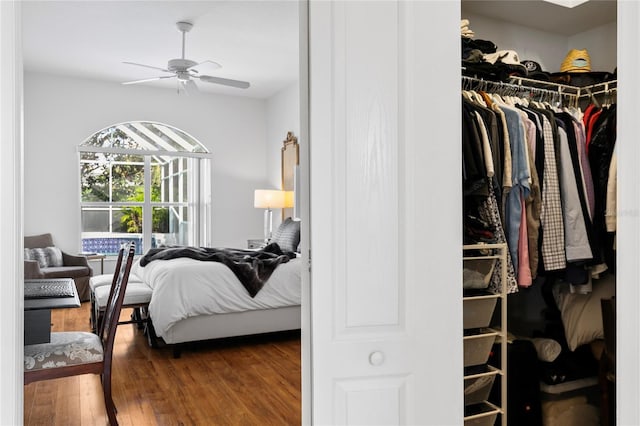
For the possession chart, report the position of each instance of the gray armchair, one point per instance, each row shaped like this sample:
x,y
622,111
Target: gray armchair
x,y
75,267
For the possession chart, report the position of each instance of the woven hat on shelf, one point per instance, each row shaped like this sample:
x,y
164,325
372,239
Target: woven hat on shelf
x,y
576,61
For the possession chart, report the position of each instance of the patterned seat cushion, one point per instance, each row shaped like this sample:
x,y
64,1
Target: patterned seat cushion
x,y
65,349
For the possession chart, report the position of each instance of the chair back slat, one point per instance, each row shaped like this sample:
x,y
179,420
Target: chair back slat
x,y
116,296
116,275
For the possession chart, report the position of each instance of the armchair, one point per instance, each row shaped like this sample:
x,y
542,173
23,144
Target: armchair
x,y
75,267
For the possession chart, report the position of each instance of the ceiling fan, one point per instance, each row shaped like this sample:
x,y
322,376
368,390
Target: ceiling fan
x,y
185,69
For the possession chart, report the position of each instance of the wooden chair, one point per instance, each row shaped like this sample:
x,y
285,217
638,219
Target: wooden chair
x,y
93,320
77,352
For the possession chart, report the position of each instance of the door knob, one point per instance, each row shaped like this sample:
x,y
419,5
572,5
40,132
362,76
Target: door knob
x,y
376,358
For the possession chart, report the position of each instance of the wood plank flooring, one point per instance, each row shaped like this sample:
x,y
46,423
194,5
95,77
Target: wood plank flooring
x,y
244,381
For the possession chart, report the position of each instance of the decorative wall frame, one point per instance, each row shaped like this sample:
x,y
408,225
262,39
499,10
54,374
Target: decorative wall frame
x,y
290,158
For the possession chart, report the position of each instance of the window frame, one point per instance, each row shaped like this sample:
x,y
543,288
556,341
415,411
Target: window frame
x,y
199,193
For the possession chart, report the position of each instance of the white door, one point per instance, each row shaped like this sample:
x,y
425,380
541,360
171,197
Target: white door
x,y
385,230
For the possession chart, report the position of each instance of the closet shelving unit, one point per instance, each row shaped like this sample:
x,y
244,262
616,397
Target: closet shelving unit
x,y
489,411
540,87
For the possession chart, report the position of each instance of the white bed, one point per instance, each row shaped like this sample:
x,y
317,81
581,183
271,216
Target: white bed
x,y
200,300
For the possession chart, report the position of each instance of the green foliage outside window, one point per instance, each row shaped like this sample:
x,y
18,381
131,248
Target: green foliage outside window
x,y
131,218
127,184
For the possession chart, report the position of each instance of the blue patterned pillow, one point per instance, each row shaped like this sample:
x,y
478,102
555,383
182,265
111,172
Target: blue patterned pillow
x,y
287,235
46,257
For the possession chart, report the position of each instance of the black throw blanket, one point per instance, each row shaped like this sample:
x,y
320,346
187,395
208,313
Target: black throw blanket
x,y
252,267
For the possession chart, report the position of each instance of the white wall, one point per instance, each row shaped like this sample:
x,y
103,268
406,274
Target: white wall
x,y
283,115
545,48
601,44
62,112
548,49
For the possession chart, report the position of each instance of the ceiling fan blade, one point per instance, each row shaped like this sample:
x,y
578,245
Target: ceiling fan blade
x,y
225,81
147,66
148,79
208,65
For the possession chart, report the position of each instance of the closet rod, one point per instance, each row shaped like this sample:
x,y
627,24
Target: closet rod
x,y
600,88
605,91
573,92
557,87
580,91
499,85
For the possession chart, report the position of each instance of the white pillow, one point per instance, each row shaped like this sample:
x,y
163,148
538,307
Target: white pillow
x,y
581,313
46,257
547,349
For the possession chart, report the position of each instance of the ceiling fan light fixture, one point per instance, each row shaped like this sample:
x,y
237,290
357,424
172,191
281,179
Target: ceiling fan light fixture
x,y
180,64
567,3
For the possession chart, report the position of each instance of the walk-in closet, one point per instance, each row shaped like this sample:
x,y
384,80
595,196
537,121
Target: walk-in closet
x,y
539,128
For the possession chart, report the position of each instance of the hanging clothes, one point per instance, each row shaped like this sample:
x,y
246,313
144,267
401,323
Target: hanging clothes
x,y
551,215
601,148
481,209
539,178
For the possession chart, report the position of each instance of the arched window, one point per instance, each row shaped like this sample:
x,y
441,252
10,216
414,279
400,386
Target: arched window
x,y
143,181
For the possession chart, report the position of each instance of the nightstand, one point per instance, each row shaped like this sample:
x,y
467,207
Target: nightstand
x,y
255,244
95,257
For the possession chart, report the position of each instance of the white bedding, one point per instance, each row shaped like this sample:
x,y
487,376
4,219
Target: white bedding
x,y
184,288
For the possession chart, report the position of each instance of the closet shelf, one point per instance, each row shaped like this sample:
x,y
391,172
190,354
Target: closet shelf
x,y
491,371
488,409
484,333
483,297
481,332
481,257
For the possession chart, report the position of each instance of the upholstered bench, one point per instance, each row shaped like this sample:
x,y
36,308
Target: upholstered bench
x,y
137,296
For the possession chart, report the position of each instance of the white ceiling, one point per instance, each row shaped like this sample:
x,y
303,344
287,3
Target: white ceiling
x,y
546,16
255,41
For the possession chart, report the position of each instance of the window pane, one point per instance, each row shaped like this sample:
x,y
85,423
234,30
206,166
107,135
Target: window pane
x,y
125,225
128,220
185,191
95,220
113,137
169,180
94,177
175,188
170,225
111,177
109,244
128,182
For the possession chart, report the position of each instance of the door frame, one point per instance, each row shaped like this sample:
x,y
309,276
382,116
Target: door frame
x,y
11,194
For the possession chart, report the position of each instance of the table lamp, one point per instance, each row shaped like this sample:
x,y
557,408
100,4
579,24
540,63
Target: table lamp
x,y
270,199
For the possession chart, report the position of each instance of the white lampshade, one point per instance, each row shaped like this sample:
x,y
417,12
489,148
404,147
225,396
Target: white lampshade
x,y
272,199
567,3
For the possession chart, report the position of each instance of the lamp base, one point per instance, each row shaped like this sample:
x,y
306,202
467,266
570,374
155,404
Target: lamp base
x,y
268,225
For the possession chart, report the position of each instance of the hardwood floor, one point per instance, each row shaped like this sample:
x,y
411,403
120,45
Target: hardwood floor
x,y
244,381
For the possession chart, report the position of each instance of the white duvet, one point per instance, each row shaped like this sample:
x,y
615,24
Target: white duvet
x,y
184,288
